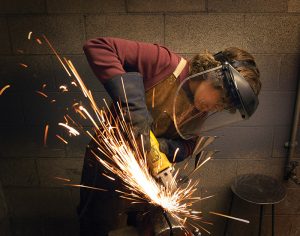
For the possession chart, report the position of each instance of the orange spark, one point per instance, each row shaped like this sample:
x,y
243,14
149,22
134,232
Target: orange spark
x,y
58,57
46,134
73,82
230,217
23,65
44,86
38,41
71,129
84,186
63,179
60,138
53,101
107,176
4,88
41,93
29,35
63,88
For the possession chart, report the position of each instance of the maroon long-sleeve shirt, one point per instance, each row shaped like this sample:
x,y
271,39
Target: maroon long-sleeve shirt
x,y
113,56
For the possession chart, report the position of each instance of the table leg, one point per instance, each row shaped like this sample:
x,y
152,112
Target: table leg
x,y
273,219
261,213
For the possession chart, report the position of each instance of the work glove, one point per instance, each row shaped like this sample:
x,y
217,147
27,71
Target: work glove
x,y
169,147
135,92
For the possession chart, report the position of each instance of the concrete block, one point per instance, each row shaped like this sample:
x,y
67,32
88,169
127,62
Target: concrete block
x,y
216,173
77,145
166,6
20,7
295,226
293,6
290,205
219,203
275,108
81,64
65,33
272,34
18,172
39,110
289,72
85,6
246,6
27,226
5,228
5,47
271,167
243,142
236,228
269,67
103,6
22,141
61,227
146,28
196,33
68,168
43,202
27,73
283,225
3,206
11,104
281,137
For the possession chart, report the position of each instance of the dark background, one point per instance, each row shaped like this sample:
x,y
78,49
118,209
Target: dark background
x,y
32,202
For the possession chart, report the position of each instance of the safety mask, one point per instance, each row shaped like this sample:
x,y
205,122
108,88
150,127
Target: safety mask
x,y
194,114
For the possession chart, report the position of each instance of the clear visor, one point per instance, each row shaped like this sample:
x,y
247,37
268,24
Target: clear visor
x,y
202,103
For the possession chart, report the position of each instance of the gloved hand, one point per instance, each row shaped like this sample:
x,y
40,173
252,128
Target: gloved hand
x,y
135,93
169,146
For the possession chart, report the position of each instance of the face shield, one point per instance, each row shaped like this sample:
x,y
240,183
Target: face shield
x,y
212,99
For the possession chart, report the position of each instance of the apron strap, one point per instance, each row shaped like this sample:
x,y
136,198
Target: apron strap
x,y
179,67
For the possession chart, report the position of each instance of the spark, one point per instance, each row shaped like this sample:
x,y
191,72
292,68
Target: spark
x,y
63,88
84,186
46,134
41,93
230,217
107,176
23,65
38,41
63,179
4,88
29,35
44,86
71,129
175,154
60,138
58,57
53,101
74,83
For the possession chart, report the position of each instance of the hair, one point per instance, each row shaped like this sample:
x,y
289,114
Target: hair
x,y
241,60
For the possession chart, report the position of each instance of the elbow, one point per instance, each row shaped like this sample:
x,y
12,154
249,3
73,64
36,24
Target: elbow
x,y
87,45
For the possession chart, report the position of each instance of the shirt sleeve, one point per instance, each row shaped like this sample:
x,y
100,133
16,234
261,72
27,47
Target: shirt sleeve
x,y
112,56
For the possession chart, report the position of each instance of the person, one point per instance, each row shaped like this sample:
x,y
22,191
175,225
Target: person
x,y
177,99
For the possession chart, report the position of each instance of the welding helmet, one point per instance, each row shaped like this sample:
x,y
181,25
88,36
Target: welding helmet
x,y
238,101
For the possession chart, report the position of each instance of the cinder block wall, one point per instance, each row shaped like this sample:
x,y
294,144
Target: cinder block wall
x,y
40,205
